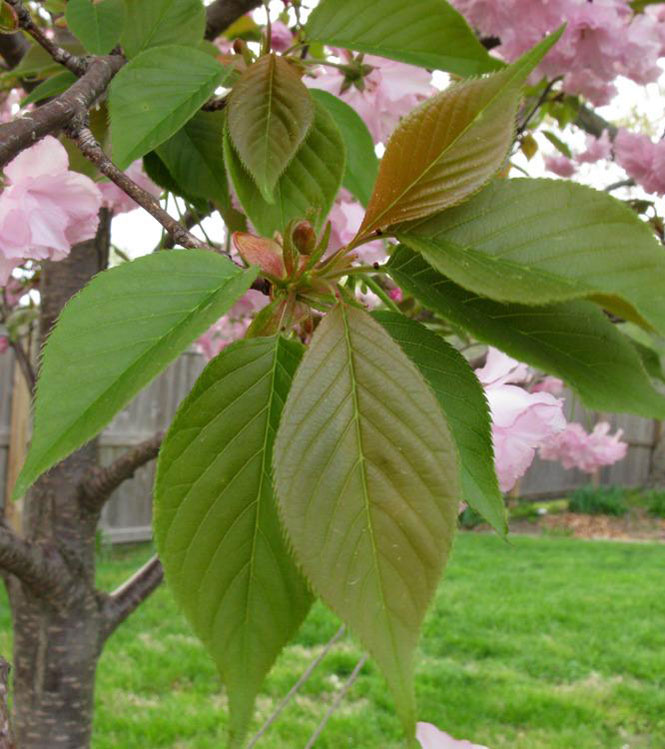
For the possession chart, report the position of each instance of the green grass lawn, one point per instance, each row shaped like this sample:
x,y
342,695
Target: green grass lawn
x,y
547,642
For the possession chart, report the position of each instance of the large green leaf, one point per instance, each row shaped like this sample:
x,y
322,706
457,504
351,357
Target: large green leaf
x,y
307,188
155,94
98,26
270,112
429,33
154,23
362,165
216,524
573,340
535,241
113,337
462,400
194,157
450,146
366,476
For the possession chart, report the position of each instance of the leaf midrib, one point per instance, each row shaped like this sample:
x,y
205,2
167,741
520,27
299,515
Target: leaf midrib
x,y
363,474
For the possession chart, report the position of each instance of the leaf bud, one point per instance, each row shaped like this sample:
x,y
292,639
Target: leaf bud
x,y
265,253
304,237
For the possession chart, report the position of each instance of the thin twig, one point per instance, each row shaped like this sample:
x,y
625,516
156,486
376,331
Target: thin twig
x,y
91,149
541,100
294,689
77,65
337,702
620,183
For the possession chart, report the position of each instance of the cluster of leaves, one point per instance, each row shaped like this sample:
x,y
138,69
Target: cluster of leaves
x,y
334,469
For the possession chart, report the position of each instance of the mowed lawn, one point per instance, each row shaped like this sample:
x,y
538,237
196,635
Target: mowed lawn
x,y
541,643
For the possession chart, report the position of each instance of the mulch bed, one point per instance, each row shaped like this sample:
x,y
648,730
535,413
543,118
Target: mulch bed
x,y
635,525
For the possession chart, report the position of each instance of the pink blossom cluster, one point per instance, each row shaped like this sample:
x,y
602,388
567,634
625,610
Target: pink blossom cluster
x,y
642,159
603,39
45,208
521,421
574,447
382,96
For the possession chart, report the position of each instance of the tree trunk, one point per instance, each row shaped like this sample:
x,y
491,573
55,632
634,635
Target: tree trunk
x,y
57,641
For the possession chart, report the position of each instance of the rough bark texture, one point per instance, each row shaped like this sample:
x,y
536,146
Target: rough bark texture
x,y
57,643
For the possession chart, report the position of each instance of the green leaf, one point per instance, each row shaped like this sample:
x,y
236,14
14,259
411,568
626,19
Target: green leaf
x,y
464,405
362,165
270,112
216,524
52,86
429,33
98,26
113,337
574,340
450,146
154,23
307,188
158,172
558,144
538,241
155,94
366,478
194,157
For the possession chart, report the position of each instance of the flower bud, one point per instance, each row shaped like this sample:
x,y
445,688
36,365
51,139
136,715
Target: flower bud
x,y
304,237
265,253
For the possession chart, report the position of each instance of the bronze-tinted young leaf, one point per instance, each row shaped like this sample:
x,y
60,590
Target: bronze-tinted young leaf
x,y
216,523
535,241
573,340
450,146
367,483
269,114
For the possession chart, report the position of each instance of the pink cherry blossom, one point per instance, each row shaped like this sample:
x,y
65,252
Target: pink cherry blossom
x,y
4,344
596,149
391,90
642,159
396,294
281,36
45,208
575,448
603,39
117,200
233,325
345,217
430,737
549,384
560,164
521,421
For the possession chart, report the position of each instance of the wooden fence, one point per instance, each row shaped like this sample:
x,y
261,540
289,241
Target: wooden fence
x,y
127,515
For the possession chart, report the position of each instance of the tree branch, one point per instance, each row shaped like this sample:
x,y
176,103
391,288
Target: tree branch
x,y
91,149
77,65
222,13
6,739
131,594
59,112
593,123
40,568
102,481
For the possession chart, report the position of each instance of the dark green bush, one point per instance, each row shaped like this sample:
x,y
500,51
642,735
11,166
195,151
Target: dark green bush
x,y
469,518
654,501
598,500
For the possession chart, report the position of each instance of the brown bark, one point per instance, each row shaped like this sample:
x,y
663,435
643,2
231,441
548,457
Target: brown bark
x,y
57,640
